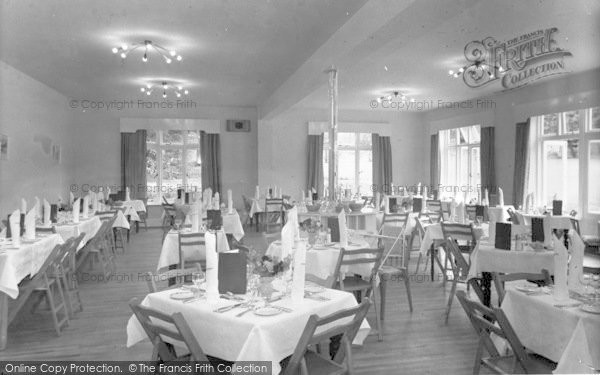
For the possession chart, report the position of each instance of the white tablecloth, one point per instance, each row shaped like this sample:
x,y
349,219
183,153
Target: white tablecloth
x,y
550,223
169,255
88,226
136,204
321,262
250,337
499,213
434,232
549,330
16,264
368,220
233,225
486,258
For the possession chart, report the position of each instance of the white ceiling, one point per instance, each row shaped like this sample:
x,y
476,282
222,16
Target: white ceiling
x,y
243,52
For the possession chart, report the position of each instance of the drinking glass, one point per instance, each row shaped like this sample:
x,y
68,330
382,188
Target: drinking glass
x,y
478,220
596,285
585,279
198,279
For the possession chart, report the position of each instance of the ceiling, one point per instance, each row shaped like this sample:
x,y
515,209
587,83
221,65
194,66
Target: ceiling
x,y
245,53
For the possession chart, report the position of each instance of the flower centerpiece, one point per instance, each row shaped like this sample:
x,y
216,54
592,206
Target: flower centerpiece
x,y
311,227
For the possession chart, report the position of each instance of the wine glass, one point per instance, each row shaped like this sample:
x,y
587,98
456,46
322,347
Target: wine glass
x,y
596,284
585,279
198,279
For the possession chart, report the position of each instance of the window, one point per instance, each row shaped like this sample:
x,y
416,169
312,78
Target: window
x,y
567,149
355,161
172,162
460,166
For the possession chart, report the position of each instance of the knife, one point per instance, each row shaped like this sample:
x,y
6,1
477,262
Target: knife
x,y
227,308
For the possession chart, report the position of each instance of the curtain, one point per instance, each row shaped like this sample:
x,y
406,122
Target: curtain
x,y
382,163
315,163
133,163
521,161
487,160
434,162
210,154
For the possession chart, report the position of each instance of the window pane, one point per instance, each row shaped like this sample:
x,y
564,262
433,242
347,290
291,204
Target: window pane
x,y
365,140
571,121
594,177
475,169
325,171
596,118
452,172
365,172
193,170
193,137
151,136
152,191
463,135
346,139
550,124
326,139
172,177
475,134
463,168
561,173
173,137
346,168
452,137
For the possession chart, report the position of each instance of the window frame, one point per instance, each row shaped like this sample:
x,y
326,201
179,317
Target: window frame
x,y
357,147
445,148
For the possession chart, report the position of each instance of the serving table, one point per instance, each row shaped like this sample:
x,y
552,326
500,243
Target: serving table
x,y
249,337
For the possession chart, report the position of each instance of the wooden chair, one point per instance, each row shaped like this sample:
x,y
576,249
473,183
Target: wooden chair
x,y
434,205
356,284
493,320
175,277
169,215
398,222
99,247
143,215
159,326
195,244
68,277
106,215
274,215
419,232
45,284
395,273
307,360
460,267
499,279
435,217
463,235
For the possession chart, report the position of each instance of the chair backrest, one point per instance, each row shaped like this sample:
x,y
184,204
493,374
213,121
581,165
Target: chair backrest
x,y
194,241
471,211
273,204
419,225
178,275
51,229
341,325
174,327
100,236
434,205
106,215
399,220
483,320
247,203
500,279
435,217
460,232
356,257
169,209
460,264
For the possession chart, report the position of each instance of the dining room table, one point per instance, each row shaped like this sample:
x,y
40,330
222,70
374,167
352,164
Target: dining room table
x,y
253,336
566,332
89,226
169,254
16,263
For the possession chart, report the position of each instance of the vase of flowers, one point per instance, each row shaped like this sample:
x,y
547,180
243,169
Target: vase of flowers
x,y
311,229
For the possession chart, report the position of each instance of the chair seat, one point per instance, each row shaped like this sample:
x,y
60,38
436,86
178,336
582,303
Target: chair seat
x,y
317,365
391,271
354,283
505,364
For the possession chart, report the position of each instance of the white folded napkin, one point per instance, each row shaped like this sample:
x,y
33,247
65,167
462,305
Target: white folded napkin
x,y
86,206
38,208
212,267
298,278
100,197
71,198
76,211
94,201
196,217
3,233
500,197
15,227
46,213
257,193
287,239
60,200
107,192
576,262
561,259
460,213
23,206
229,201
343,229
127,194
292,216
30,225
216,201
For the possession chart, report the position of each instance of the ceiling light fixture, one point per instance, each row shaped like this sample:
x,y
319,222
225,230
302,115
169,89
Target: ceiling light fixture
x,y
478,67
148,46
394,95
165,87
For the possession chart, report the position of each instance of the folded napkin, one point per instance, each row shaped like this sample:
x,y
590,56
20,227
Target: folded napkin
x,y
292,216
576,262
298,278
94,201
561,289
100,196
3,233
343,229
500,197
46,213
23,206
71,198
76,211
216,201
86,206
460,213
14,221
127,194
257,193
212,267
38,208
229,201
287,239
30,225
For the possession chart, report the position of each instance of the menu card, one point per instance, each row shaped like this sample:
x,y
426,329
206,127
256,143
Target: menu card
x,y
232,272
503,236
14,228
417,204
76,211
333,224
392,205
215,219
298,278
561,259
212,267
537,229
557,207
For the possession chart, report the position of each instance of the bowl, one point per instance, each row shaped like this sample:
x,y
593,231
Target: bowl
x,y
356,207
313,207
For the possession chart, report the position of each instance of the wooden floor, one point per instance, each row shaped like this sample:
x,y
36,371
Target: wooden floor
x,y
413,343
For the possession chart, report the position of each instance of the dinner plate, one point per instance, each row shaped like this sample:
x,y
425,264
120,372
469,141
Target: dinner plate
x,y
314,289
594,309
528,289
267,311
319,247
182,295
30,241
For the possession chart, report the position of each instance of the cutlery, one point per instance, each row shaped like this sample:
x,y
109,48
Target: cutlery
x,y
567,305
245,311
315,297
281,308
230,307
193,299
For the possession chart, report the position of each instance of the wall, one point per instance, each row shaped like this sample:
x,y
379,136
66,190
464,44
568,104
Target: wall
x,y
282,153
34,117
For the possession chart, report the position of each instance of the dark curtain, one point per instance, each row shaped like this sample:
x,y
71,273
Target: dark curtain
x,y
382,163
315,163
210,154
133,163
486,156
521,160
434,162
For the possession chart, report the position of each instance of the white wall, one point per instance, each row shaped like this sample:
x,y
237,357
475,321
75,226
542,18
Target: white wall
x,y
283,147
32,113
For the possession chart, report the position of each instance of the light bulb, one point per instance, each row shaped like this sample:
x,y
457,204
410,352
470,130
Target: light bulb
x,y
115,50
148,86
179,58
455,75
145,58
500,68
124,47
148,93
179,88
164,85
143,89
461,70
178,94
172,53
450,72
186,92
168,60
164,94
412,100
123,55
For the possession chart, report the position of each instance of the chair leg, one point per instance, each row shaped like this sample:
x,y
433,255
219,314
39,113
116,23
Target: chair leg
x,y
382,294
419,262
451,297
377,318
408,294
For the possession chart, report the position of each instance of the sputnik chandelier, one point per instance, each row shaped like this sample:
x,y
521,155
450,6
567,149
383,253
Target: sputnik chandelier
x,y
478,68
148,46
165,87
395,95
